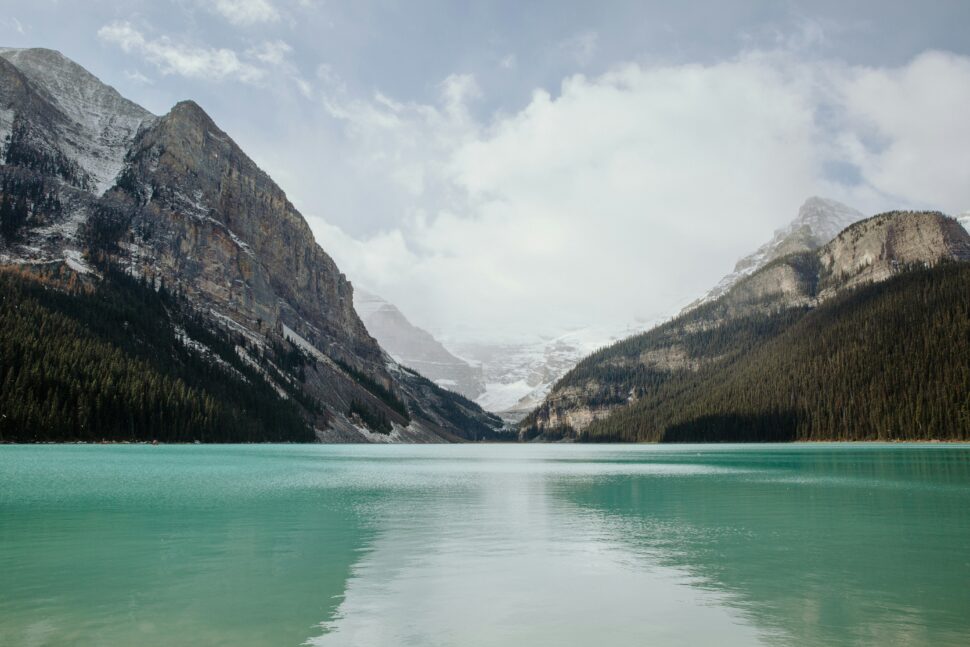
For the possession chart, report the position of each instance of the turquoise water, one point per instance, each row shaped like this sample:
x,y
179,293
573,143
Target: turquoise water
x,y
485,545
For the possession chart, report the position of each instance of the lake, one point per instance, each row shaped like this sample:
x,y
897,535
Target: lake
x,y
482,545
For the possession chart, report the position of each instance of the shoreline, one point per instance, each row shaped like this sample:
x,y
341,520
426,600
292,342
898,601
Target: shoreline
x,y
492,443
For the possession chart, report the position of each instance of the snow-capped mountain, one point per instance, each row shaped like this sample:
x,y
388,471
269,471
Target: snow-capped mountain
x,y
518,375
964,219
819,220
92,184
415,347
91,124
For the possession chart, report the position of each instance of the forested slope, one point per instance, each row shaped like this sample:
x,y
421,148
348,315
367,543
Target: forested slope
x,y
887,361
118,360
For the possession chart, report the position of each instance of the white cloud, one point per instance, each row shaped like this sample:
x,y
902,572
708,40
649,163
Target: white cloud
x,y
272,52
626,194
916,116
246,12
182,59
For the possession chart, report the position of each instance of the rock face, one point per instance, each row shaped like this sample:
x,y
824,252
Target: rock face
x,y
818,221
868,251
876,248
209,221
175,200
416,348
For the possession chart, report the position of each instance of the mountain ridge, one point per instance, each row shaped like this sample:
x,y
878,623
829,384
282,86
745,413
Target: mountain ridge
x,y
868,252
416,348
818,221
185,208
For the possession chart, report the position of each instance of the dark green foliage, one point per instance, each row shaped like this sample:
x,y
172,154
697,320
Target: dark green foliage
x,y
383,394
884,362
373,420
24,197
104,227
106,363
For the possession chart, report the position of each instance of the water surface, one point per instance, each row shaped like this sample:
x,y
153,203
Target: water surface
x,y
485,545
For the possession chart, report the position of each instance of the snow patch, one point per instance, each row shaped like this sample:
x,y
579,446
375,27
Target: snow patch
x,y
76,262
244,356
205,352
291,335
500,396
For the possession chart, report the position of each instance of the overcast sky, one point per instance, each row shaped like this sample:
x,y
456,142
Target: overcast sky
x,y
507,169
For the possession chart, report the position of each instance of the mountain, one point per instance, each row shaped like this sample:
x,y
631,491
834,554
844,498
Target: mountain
x,y
865,337
519,374
964,219
416,348
819,220
96,187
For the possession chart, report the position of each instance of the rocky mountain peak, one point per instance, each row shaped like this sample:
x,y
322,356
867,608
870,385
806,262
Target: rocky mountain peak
x,y
818,221
825,217
92,124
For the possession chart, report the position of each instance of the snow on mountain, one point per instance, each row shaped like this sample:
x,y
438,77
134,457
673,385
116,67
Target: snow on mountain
x,y
101,124
819,220
518,375
416,348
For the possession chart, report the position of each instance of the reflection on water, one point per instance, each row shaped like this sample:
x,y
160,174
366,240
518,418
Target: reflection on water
x,y
486,545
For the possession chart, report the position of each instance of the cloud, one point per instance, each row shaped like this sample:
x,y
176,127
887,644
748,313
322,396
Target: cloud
x,y
246,12
905,127
272,52
625,195
182,59
206,63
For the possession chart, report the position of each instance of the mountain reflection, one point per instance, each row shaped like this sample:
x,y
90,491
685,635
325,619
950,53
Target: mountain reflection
x,y
816,545
569,546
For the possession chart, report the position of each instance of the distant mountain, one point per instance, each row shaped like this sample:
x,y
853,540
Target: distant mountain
x,y
518,375
99,197
416,348
819,220
866,337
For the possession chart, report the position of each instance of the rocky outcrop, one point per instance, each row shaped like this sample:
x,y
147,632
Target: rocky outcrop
x,y
875,249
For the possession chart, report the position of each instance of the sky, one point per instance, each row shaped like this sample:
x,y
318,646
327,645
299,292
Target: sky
x,y
505,170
